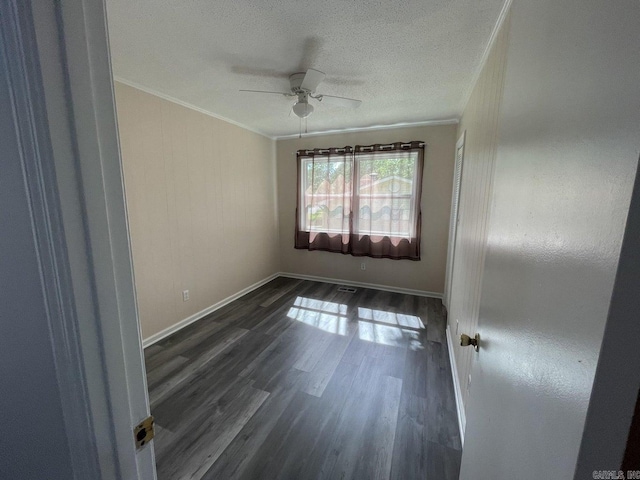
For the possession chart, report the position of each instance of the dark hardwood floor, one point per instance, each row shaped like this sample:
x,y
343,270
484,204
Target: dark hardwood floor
x,y
297,380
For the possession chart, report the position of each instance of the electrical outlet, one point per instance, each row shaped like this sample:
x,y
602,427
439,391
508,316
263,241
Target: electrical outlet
x,y
363,266
185,295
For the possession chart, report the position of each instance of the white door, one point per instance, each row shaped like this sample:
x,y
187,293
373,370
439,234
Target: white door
x,y
566,160
454,220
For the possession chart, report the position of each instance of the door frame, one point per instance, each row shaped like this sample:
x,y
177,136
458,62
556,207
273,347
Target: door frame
x,y
616,383
454,218
61,81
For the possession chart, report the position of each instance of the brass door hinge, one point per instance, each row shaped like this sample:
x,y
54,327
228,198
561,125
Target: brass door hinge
x,y
144,432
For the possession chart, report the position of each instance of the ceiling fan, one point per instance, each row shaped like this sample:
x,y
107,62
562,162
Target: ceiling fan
x,y
303,85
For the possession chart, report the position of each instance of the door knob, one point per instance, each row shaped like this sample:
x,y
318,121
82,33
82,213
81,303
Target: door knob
x,y
466,340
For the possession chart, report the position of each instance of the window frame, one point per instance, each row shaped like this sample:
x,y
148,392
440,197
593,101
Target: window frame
x,y
351,240
303,184
355,199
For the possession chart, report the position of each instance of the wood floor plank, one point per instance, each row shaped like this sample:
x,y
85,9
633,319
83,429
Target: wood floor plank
x,y
321,374
267,290
410,448
297,380
199,334
208,384
279,315
441,405
151,354
288,438
436,331
163,436
309,358
279,353
443,463
330,408
276,322
246,449
347,440
415,373
164,370
380,434
390,361
174,381
280,293
201,443
356,351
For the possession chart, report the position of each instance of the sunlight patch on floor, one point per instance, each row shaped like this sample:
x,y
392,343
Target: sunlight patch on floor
x,y
389,328
327,316
391,318
386,335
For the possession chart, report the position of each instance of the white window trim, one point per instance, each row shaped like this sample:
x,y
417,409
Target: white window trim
x,y
355,193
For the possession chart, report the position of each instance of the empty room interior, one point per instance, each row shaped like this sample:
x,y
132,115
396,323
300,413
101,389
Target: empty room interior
x,y
363,240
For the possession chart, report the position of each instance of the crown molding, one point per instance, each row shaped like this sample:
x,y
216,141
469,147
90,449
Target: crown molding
x,y
169,98
426,123
485,55
177,101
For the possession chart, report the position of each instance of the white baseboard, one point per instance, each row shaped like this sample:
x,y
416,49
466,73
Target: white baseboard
x,y
387,288
156,337
462,419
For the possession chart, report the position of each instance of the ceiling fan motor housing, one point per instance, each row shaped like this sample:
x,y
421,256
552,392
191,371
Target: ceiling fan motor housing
x,y
302,108
296,81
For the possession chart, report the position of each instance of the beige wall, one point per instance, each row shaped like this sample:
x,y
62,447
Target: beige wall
x,y
480,121
201,206
425,275
201,199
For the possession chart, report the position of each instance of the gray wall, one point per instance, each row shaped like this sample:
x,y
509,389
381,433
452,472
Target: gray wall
x,y
567,155
32,435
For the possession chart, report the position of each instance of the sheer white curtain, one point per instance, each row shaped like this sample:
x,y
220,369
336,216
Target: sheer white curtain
x,y
324,199
364,200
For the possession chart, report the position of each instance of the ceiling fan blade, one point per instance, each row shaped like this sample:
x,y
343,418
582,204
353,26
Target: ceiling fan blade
x,y
312,79
340,101
289,94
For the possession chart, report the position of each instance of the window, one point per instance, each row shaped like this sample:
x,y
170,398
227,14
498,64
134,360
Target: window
x,y
361,201
326,190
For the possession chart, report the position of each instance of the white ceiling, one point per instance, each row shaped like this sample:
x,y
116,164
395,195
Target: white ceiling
x,y
409,61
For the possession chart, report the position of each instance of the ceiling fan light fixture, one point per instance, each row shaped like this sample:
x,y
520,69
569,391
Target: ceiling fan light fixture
x,y
302,109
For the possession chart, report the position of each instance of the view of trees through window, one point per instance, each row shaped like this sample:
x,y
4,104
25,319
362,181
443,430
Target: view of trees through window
x,y
382,195
319,171
404,167
329,171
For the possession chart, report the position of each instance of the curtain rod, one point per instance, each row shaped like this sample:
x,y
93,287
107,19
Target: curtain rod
x,y
367,148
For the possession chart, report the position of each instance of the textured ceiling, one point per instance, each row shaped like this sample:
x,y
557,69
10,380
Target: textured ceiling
x,y
407,60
